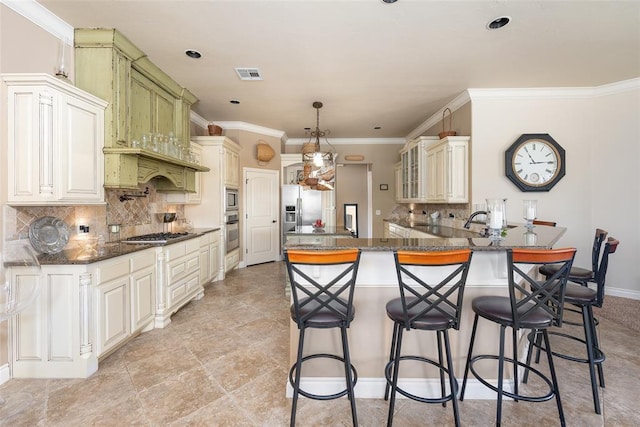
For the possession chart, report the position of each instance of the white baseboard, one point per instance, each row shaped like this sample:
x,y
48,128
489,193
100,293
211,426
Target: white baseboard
x,y
373,388
623,293
5,373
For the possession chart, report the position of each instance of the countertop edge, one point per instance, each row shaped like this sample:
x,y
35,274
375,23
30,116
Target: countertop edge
x,y
74,256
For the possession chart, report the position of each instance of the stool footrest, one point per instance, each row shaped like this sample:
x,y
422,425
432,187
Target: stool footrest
x,y
543,398
387,374
598,355
318,396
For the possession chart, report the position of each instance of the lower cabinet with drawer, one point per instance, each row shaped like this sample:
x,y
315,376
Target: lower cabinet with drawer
x,y
124,298
179,283
210,270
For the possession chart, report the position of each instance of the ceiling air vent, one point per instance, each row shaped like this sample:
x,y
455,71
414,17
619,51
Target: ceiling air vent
x,y
249,73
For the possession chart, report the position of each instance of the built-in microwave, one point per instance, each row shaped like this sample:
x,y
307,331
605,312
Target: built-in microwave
x,y
232,201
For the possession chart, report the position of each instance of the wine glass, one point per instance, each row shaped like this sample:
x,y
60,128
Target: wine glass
x,y
15,296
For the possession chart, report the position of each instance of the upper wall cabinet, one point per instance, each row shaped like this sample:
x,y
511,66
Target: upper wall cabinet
x,y
413,170
448,170
142,100
55,139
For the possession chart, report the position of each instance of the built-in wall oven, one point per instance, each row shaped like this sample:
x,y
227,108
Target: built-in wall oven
x,y
232,235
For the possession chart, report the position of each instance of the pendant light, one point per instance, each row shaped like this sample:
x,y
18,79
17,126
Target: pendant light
x,y
319,166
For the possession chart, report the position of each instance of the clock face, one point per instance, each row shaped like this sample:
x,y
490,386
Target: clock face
x,y
535,162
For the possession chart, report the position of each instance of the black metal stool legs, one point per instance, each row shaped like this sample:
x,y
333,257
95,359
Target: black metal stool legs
x,y
554,378
347,375
599,358
396,367
590,337
468,364
296,383
453,383
594,357
392,352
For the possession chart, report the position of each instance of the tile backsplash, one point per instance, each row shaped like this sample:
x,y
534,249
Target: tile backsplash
x,y
136,216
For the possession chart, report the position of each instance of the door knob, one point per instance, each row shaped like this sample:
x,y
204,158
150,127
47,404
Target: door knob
x,y
274,221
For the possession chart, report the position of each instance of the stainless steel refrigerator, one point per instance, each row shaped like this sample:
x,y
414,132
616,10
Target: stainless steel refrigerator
x,y
300,207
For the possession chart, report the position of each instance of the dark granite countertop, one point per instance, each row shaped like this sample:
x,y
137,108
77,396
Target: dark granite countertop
x,y
305,230
80,256
541,237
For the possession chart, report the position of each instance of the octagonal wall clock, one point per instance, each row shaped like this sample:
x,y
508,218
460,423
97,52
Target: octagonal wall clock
x,y
535,162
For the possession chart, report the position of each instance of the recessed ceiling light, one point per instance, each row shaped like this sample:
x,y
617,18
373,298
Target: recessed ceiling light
x,y
499,22
389,1
193,54
234,101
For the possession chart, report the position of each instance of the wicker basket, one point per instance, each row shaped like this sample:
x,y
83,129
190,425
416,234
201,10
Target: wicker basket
x,y
449,132
214,130
264,152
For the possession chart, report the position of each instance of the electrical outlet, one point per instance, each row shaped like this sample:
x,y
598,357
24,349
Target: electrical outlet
x,y
83,229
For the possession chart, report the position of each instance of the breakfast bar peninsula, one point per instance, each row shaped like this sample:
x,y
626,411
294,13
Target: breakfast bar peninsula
x,y
376,284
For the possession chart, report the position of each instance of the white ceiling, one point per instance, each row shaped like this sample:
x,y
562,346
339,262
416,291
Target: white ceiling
x,y
370,63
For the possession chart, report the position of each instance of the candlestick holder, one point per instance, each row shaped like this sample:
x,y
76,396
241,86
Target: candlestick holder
x,y
529,212
496,218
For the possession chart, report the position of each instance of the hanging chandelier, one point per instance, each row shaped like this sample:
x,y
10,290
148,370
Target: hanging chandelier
x,y
319,166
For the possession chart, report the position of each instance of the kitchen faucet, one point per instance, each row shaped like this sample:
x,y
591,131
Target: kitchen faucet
x,y
473,215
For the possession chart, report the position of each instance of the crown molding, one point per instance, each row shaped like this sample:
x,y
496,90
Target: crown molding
x,y
456,103
556,92
618,87
198,119
350,141
251,128
41,16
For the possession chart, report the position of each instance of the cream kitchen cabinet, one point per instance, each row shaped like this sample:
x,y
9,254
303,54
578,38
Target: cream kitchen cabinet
x,y
231,168
125,298
448,170
397,170
231,260
54,337
395,231
413,170
210,257
180,279
415,234
216,153
221,155
55,139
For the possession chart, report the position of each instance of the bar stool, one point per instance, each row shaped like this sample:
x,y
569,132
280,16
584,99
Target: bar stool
x,y
585,298
579,274
531,304
322,288
431,290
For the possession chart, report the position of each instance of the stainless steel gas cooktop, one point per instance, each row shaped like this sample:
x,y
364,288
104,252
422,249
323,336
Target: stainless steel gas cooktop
x,y
155,238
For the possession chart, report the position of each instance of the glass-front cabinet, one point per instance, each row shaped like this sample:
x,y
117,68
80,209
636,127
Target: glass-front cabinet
x,y
413,170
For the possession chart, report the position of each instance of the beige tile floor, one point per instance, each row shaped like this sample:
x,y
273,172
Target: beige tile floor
x,y
223,361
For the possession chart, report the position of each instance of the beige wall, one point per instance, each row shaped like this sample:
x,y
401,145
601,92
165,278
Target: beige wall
x,y
353,189
601,187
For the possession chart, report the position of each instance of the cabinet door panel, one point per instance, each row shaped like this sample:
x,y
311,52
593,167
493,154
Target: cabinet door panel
x,y
81,158
143,287
113,314
141,106
164,112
